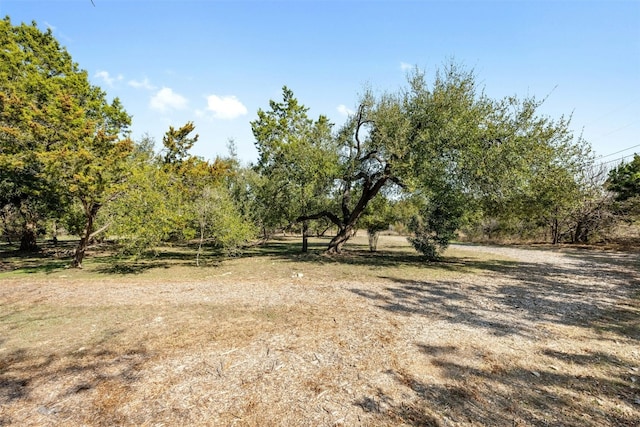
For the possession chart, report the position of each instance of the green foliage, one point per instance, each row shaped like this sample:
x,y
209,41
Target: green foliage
x,y
377,217
437,223
220,220
149,209
177,143
470,156
297,161
31,66
624,180
182,200
60,139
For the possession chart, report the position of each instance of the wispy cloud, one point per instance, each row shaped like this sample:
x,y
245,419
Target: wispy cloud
x,y
166,99
144,84
344,110
225,107
107,78
405,66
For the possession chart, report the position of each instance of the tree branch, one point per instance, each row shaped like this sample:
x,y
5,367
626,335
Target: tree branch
x,y
98,231
324,214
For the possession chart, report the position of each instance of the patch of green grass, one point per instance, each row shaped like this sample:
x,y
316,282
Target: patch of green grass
x,y
395,257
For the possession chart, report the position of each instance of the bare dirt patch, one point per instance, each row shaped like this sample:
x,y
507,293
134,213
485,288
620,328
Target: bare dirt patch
x,y
492,336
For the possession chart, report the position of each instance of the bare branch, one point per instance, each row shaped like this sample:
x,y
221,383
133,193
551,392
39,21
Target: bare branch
x,y
360,122
98,231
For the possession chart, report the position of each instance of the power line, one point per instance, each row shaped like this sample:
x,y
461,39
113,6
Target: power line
x,y
614,131
610,112
617,160
618,152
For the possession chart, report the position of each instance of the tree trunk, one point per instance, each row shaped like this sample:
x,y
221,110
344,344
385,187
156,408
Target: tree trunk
x,y
200,244
28,241
84,240
344,234
555,231
373,240
54,233
305,236
5,228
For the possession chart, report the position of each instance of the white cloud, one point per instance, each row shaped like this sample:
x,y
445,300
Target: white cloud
x,y
405,66
225,107
166,99
344,110
107,78
144,84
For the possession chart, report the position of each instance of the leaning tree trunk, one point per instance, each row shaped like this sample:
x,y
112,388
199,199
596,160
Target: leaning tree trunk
x,y
344,234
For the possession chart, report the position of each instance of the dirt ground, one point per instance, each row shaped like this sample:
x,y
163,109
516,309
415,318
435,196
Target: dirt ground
x,y
492,336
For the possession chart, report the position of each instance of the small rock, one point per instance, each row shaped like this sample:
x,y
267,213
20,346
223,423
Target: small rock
x,y
46,411
534,373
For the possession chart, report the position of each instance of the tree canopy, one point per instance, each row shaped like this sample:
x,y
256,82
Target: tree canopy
x,y
445,141
434,158
57,131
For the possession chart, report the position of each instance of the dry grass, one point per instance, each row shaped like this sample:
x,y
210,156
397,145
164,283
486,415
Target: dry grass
x,y
492,336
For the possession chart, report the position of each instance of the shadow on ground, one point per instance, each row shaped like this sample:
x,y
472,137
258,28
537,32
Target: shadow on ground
x,y
580,293
506,397
97,376
597,291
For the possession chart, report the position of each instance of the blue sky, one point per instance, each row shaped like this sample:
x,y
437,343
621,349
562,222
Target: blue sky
x,y
216,62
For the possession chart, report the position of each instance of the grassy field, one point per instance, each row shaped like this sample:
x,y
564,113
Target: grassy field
x,y
489,336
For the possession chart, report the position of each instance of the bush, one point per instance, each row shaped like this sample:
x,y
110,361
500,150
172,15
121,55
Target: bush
x,y
435,227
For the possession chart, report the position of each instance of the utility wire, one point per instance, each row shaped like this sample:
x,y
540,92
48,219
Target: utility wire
x,y
614,131
617,160
617,152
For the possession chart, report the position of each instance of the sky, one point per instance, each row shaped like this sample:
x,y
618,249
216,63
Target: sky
x,y
217,62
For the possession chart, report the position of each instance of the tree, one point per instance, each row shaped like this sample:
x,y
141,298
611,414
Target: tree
x,y
61,140
219,219
528,170
177,144
624,180
409,141
437,222
32,69
377,217
92,162
446,142
149,209
176,195
297,160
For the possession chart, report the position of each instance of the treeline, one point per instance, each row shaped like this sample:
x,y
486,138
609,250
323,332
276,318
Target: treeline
x,y
434,159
